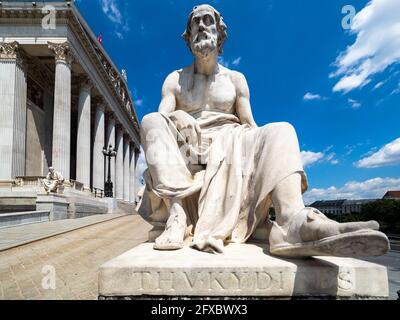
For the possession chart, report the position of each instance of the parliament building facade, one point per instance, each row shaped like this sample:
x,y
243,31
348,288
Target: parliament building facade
x,y
62,100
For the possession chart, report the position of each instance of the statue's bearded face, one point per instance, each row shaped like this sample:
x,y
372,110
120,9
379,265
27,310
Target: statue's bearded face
x,y
204,33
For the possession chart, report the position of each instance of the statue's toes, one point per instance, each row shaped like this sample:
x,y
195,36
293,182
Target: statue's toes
x,y
355,226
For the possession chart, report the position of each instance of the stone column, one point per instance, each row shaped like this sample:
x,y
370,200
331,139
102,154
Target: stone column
x,y
98,145
111,142
13,92
119,165
83,136
132,174
62,109
127,179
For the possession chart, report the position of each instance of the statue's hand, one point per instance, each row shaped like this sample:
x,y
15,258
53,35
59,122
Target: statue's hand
x,y
187,126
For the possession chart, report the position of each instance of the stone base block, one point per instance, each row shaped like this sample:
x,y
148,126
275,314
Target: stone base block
x,y
111,204
81,205
55,203
244,270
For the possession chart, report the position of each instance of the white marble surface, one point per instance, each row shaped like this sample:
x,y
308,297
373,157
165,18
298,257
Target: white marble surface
x,y
98,145
83,136
13,90
126,169
62,119
119,165
244,270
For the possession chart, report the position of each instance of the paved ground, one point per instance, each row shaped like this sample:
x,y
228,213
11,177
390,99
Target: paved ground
x,y
392,261
75,256
11,237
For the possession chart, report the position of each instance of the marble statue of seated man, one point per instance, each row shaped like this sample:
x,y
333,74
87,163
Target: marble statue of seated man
x,y
213,173
53,180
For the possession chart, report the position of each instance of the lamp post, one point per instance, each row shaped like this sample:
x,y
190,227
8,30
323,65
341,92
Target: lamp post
x,y
108,185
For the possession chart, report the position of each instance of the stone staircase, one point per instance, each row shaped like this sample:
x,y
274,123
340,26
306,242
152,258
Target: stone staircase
x,y
8,220
17,204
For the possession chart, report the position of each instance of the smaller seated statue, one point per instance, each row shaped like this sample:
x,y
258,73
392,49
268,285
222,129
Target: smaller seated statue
x,y
53,180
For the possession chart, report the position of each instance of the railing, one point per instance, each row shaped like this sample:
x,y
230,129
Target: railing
x,y
98,193
77,185
23,181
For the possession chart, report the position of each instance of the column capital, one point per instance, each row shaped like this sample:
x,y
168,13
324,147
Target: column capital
x,y
110,115
127,138
102,107
62,51
133,145
100,103
119,127
85,83
12,51
9,50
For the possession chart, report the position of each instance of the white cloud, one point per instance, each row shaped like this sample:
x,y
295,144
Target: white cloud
x,y
228,63
369,189
138,103
110,8
377,46
119,35
311,96
378,85
331,158
309,157
397,90
354,103
388,155
113,13
237,61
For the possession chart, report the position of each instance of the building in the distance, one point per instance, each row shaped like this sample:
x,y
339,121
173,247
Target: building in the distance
x,y
62,100
329,206
392,195
342,206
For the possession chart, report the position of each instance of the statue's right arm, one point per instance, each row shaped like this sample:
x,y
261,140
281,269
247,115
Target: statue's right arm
x,y
168,100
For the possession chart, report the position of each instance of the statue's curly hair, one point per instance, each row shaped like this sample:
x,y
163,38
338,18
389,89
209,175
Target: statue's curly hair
x,y
221,26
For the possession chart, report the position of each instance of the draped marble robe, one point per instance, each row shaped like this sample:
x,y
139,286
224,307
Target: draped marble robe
x,y
225,180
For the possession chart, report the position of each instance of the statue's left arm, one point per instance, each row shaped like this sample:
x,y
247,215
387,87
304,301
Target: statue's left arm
x,y
243,108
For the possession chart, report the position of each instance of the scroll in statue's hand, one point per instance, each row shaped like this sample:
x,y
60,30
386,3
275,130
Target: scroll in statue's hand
x,y
187,126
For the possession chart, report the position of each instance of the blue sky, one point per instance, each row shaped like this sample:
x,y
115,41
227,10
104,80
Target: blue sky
x,y
339,87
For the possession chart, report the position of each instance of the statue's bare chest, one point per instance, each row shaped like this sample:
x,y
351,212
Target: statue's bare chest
x,y
199,93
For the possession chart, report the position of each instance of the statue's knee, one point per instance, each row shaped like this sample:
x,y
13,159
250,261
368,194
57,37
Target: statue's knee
x,y
151,121
284,127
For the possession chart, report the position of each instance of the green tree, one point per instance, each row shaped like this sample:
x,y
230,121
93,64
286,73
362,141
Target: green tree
x,y
386,212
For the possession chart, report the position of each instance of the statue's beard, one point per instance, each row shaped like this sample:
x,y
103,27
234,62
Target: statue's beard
x,y
203,44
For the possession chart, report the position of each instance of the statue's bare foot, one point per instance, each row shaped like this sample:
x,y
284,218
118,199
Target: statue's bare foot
x,y
311,233
173,236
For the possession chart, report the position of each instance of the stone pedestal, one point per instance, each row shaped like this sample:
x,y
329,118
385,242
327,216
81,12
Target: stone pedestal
x,y
111,203
245,270
55,203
